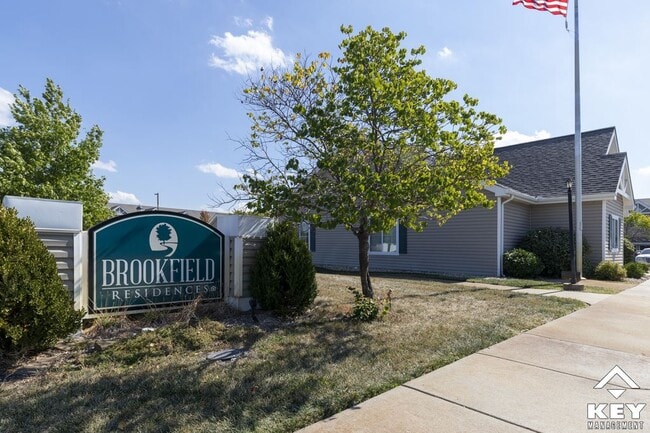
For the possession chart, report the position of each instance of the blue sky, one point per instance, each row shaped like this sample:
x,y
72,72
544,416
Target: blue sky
x,y
162,77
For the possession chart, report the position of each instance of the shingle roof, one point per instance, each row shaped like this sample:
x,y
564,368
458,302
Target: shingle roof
x,y
541,168
132,208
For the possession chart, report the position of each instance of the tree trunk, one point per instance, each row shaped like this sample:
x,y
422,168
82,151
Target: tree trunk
x,y
364,263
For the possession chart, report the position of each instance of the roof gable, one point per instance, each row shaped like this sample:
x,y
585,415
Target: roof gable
x,y
643,205
541,168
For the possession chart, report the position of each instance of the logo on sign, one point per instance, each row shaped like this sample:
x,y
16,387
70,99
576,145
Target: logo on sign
x,y
163,237
615,416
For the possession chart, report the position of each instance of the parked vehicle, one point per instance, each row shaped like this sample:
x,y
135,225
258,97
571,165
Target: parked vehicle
x,y
643,256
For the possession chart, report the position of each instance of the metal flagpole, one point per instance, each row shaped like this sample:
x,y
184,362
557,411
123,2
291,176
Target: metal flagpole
x,y
578,146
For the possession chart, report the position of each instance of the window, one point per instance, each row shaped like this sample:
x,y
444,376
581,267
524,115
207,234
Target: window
x,y
614,232
303,232
307,233
385,242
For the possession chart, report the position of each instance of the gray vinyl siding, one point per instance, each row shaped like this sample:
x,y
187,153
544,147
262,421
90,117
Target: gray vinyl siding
x,y
613,208
61,246
592,223
557,215
464,246
550,215
516,219
336,249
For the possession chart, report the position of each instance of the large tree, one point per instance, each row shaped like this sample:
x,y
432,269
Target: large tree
x,y
43,156
637,227
365,142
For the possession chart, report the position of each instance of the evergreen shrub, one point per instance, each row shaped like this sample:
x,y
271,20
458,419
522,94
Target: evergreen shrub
x,y
283,278
518,263
636,270
551,246
35,308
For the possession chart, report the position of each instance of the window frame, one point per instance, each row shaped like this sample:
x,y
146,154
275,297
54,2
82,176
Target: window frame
x,y
301,231
614,233
396,252
307,233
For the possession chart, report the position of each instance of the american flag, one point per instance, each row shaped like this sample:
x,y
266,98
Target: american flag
x,y
556,7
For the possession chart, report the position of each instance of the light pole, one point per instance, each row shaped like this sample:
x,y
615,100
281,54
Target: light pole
x,y
569,186
157,200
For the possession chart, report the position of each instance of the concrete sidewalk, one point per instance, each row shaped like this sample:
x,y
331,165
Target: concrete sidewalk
x,y
586,297
544,380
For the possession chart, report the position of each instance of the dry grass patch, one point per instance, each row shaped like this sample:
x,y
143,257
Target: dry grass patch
x,y
293,373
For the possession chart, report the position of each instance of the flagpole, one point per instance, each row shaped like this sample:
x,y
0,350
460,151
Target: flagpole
x,y
578,145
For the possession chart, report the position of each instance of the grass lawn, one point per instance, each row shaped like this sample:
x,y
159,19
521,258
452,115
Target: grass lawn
x,y
293,374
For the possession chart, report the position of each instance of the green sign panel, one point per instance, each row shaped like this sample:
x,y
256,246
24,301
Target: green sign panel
x,y
154,258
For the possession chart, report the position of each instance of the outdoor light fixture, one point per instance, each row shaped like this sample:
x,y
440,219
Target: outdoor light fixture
x,y
569,185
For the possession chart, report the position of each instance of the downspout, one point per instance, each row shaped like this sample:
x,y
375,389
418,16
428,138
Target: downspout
x,y
501,232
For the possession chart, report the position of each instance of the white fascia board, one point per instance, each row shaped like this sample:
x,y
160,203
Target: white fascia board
x,y
501,191
497,190
589,197
613,145
625,187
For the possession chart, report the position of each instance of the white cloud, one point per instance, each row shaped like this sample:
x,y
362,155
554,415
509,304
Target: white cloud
x,y
445,53
6,99
219,170
123,197
268,22
243,22
514,137
644,172
244,54
107,166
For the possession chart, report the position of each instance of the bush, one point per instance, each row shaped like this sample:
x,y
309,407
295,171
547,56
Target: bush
x,y
628,251
368,309
284,278
35,308
551,245
588,268
520,263
364,309
609,271
636,270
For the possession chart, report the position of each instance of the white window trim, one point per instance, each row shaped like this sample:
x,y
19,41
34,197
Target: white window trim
x,y
308,239
387,253
615,221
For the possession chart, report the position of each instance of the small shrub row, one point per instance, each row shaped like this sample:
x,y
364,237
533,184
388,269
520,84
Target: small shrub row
x,y
612,271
